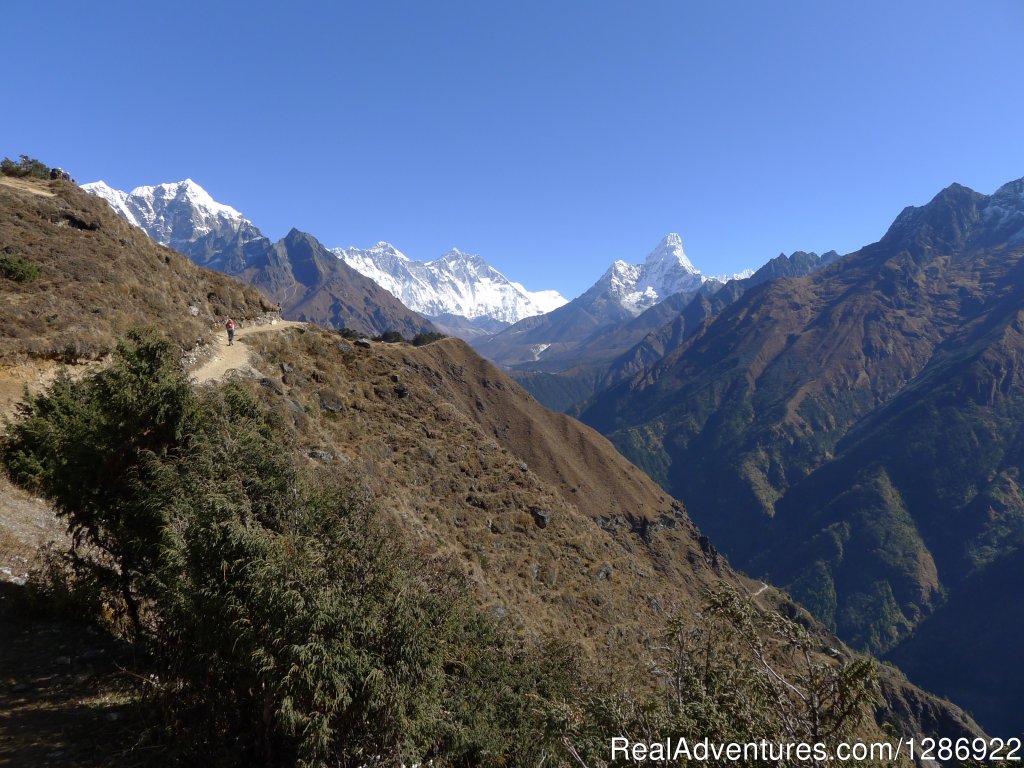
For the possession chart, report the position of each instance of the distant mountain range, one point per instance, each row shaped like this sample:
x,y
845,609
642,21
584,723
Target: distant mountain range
x,y
307,280
457,284
565,373
458,293
624,292
465,295
857,435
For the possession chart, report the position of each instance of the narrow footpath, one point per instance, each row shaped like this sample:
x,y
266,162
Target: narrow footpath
x,y
235,357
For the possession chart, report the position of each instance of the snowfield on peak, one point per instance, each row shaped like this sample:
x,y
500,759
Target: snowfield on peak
x,y
666,271
173,214
456,283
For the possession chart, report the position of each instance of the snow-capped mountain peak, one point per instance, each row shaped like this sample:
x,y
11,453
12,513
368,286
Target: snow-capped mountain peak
x,y
670,253
382,263
665,271
456,283
1005,211
187,191
115,198
174,214
383,248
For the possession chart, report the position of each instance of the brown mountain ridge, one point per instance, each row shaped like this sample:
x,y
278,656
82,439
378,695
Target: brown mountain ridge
x,y
855,434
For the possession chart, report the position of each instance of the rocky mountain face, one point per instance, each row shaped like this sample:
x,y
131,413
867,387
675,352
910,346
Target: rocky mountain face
x,y
855,435
313,285
565,379
459,292
624,292
176,214
682,322
298,272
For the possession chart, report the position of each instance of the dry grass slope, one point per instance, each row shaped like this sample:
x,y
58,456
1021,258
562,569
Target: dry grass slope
x,y
98,277
471,468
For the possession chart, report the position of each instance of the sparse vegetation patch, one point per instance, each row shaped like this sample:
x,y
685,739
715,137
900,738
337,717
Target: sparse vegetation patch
x,y
14,267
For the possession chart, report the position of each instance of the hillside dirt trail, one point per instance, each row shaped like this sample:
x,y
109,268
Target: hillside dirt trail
x,y
24,185
236,356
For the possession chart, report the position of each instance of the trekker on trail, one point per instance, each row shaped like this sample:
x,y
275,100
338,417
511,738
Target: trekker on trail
x,y
231,331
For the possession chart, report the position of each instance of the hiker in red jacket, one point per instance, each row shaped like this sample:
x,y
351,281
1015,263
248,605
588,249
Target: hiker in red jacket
x,y
231,331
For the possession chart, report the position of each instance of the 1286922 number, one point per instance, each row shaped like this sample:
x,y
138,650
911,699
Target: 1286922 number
x,y
944,750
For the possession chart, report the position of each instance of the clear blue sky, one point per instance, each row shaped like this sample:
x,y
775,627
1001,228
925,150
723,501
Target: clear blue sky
x,y
550,137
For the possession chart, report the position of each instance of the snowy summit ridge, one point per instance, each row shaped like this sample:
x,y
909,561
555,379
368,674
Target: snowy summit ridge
x,y
173,214
666,271
456,283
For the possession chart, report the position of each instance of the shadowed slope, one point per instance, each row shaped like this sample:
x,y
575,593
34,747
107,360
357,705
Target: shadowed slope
x,y
854,434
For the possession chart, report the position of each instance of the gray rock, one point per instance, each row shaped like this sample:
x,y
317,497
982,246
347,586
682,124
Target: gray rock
x,y
272,385
331,404
541,516
321,455
364,343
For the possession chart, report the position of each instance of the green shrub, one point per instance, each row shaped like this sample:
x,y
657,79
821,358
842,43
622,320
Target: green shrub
x,y
24,166
390,337
422,339
741,674
19,269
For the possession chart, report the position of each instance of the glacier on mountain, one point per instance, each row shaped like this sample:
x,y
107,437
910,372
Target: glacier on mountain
x,y
173,214
457,283
666,271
